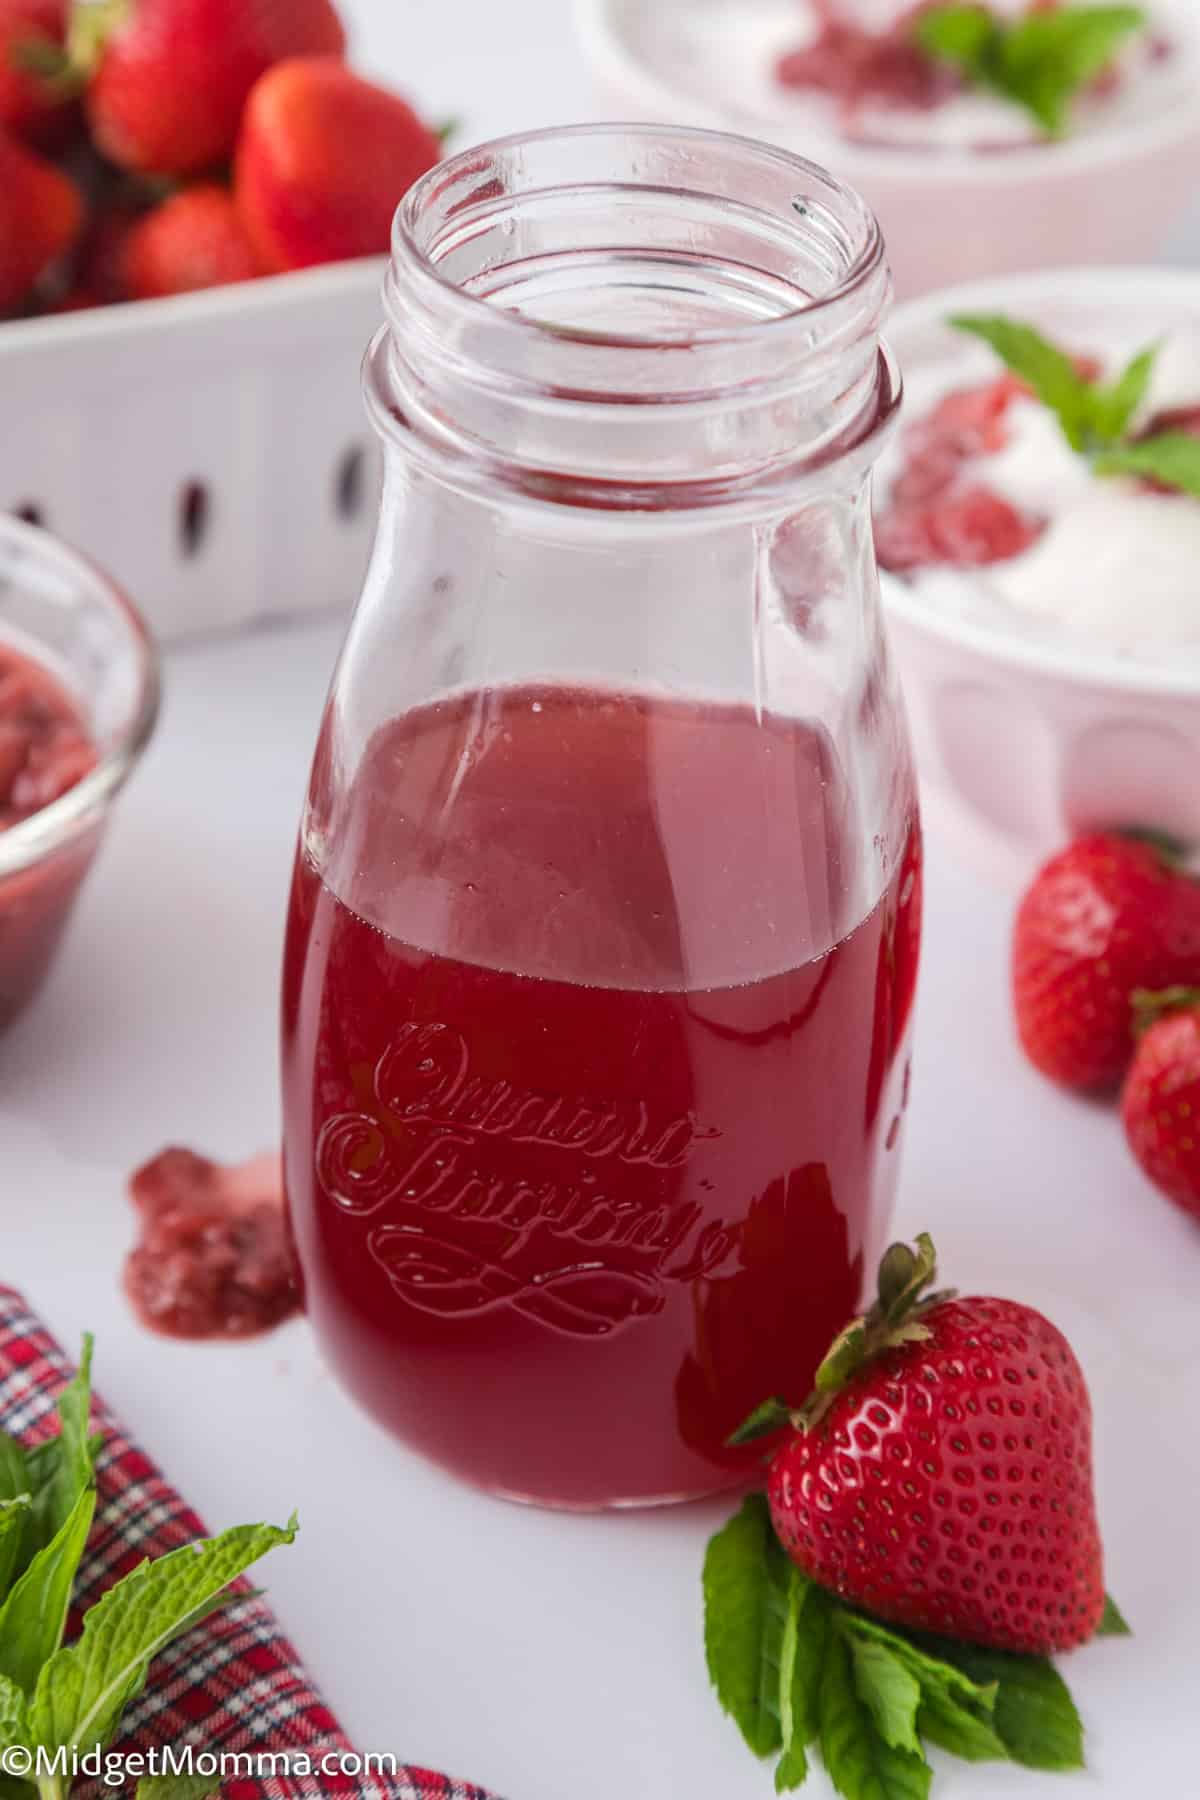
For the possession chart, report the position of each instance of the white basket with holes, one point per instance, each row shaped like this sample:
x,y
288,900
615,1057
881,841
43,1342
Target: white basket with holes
x,y
211,452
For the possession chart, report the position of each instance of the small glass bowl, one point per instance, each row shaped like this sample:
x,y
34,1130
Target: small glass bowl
x,y
61,612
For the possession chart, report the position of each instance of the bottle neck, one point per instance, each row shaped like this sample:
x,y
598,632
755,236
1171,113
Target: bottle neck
x,y
636,318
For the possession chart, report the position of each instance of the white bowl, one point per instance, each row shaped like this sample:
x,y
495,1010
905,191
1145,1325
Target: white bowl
x,y
1110,195
1022,743
211,451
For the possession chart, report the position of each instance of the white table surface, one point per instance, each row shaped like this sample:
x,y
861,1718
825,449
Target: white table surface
x,y
555,1658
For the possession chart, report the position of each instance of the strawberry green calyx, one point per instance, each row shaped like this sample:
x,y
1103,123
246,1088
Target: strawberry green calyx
x,y
1149,1007
1168,849
903,1297
91,24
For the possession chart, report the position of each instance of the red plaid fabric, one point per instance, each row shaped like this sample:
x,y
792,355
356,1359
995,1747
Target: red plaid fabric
x,y
234,1683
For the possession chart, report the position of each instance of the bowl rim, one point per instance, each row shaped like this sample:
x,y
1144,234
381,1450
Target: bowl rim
x,y
173,314
857,162
53,827
1111,672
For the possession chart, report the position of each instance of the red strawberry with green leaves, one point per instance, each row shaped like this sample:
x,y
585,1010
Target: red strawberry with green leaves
x,y
323,160
1160,1103
167,80
1110,914
192,240
33,105
40,216
940,1476
927,1533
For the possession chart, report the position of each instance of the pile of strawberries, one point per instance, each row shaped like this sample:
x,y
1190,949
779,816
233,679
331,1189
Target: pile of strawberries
x,y
1106,982
151,147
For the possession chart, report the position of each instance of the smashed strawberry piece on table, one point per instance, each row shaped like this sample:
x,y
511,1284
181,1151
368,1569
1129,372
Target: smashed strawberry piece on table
x,y
213,1259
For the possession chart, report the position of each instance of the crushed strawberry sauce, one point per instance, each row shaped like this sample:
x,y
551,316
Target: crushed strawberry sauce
x,y
44,747
213,1259
938,510
856,65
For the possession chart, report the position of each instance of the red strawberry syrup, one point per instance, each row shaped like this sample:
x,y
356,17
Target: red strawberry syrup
x,y
592,1082
45,749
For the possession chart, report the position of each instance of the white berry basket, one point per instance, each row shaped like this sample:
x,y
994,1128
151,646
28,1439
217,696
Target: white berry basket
x,y
210,452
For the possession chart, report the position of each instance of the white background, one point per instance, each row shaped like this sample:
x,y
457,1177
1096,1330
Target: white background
x,y
554,1658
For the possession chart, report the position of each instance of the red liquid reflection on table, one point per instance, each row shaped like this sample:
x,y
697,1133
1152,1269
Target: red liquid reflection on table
x,y
584,1152
44,751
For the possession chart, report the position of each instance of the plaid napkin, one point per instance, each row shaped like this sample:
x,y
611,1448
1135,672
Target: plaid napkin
x,y
234,1683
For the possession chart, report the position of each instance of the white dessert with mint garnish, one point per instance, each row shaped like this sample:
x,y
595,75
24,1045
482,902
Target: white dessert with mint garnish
x,y
732,54
1024,534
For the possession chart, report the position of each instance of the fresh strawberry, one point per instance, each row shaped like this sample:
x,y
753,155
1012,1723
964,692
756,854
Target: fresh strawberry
x,y
941,1475
32,105
322,162
168,79
1108,915
1160,1104
193,240
40,216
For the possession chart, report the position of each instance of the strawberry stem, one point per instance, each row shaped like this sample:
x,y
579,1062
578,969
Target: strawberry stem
x,y
1168,849
1149,1007
905,1276
91,24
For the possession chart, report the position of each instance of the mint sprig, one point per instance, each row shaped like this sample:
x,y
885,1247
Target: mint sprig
x,y
1041,61
1172,458
55,1696
796,1667
1094,416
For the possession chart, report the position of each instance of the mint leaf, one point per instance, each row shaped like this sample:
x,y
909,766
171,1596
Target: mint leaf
x,y
1111,1622
860,1762
1172,458
61,1468
945,1721
1040,61
1045,368
13,1516
14,1477
1113,407
1047,58
889,1691
966,35
178,1787
83,1688
769,1416
1034,1715
14,1720
34,1616
746,1577
801,1658
933,1675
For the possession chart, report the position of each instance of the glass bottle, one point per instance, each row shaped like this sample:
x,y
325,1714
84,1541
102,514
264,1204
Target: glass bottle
x,y
605,915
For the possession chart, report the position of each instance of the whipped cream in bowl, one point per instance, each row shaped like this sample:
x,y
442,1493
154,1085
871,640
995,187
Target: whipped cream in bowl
x,y
1046,615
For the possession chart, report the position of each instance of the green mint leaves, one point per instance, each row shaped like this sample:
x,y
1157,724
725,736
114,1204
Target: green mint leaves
x,y
1172,458
83,1689
1041,61
800,1672
54,1696
1094,416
